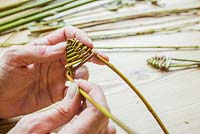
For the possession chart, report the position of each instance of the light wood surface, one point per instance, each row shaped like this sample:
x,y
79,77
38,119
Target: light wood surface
x,y
175,95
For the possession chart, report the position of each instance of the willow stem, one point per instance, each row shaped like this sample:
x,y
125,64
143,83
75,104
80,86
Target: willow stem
x,y
188,60
16,4
185,65
103,109
149,107
25,7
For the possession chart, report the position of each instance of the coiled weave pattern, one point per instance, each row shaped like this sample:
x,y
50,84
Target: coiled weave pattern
x,y
160,62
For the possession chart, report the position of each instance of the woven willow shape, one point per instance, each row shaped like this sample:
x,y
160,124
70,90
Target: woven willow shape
x,y
160,62
77,55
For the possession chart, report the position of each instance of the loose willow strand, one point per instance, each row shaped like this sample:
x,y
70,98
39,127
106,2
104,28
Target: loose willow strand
x,y
149,107
25,7
43,15
147,47
132,15
124,33
16,4
103,110
40,10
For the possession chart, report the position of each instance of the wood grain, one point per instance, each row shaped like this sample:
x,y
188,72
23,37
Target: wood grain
x,y
175,95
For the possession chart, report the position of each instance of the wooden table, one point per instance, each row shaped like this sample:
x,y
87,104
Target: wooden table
x,y
175,95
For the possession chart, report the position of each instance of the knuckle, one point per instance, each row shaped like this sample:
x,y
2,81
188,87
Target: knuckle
x,y
99,114
42,49
30,124
11,54
63,111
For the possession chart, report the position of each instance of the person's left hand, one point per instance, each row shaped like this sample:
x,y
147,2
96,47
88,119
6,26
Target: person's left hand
x,y
33,76
73,116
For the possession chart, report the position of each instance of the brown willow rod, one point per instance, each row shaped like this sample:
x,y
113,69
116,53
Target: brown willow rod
x,y
103,109
149,107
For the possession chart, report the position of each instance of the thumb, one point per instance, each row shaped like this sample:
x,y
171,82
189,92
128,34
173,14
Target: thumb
x,y
47,121
25,55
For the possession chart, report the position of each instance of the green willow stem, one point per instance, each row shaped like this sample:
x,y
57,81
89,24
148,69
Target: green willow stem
x,y
16,4
25,7
40,10
185,65
149,107
103,109
43,15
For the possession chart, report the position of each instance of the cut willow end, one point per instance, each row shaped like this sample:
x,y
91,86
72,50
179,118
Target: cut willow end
x,y
160,62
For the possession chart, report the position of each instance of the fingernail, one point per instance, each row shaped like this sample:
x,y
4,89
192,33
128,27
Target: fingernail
x,y
72,91
60,46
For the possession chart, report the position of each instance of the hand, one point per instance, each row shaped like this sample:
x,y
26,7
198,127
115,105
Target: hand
x,y
33,76
89,121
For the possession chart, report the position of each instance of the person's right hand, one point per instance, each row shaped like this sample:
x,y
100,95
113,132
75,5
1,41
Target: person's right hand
x,y
88,121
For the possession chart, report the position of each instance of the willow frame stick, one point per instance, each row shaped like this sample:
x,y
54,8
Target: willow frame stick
x,y
103,109
147,47
149,107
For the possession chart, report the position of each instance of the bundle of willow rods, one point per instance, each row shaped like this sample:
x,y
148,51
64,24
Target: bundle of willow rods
x,y
42,15
40,10
23,8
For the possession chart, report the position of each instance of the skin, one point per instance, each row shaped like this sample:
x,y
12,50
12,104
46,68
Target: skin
x,y
33,77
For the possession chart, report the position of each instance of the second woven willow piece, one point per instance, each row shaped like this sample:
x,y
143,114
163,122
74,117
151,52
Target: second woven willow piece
x,y
78,54
166,63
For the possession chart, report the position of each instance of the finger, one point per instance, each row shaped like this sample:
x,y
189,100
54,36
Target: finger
x,y
110,129
82,73
25,55
63,34
94,91
90,120
46,121
104,128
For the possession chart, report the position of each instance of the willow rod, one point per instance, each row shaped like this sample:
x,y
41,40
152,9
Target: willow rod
x,y
122,47
43,15
25,7
16,4
103,109
147,47
40,10
149,107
